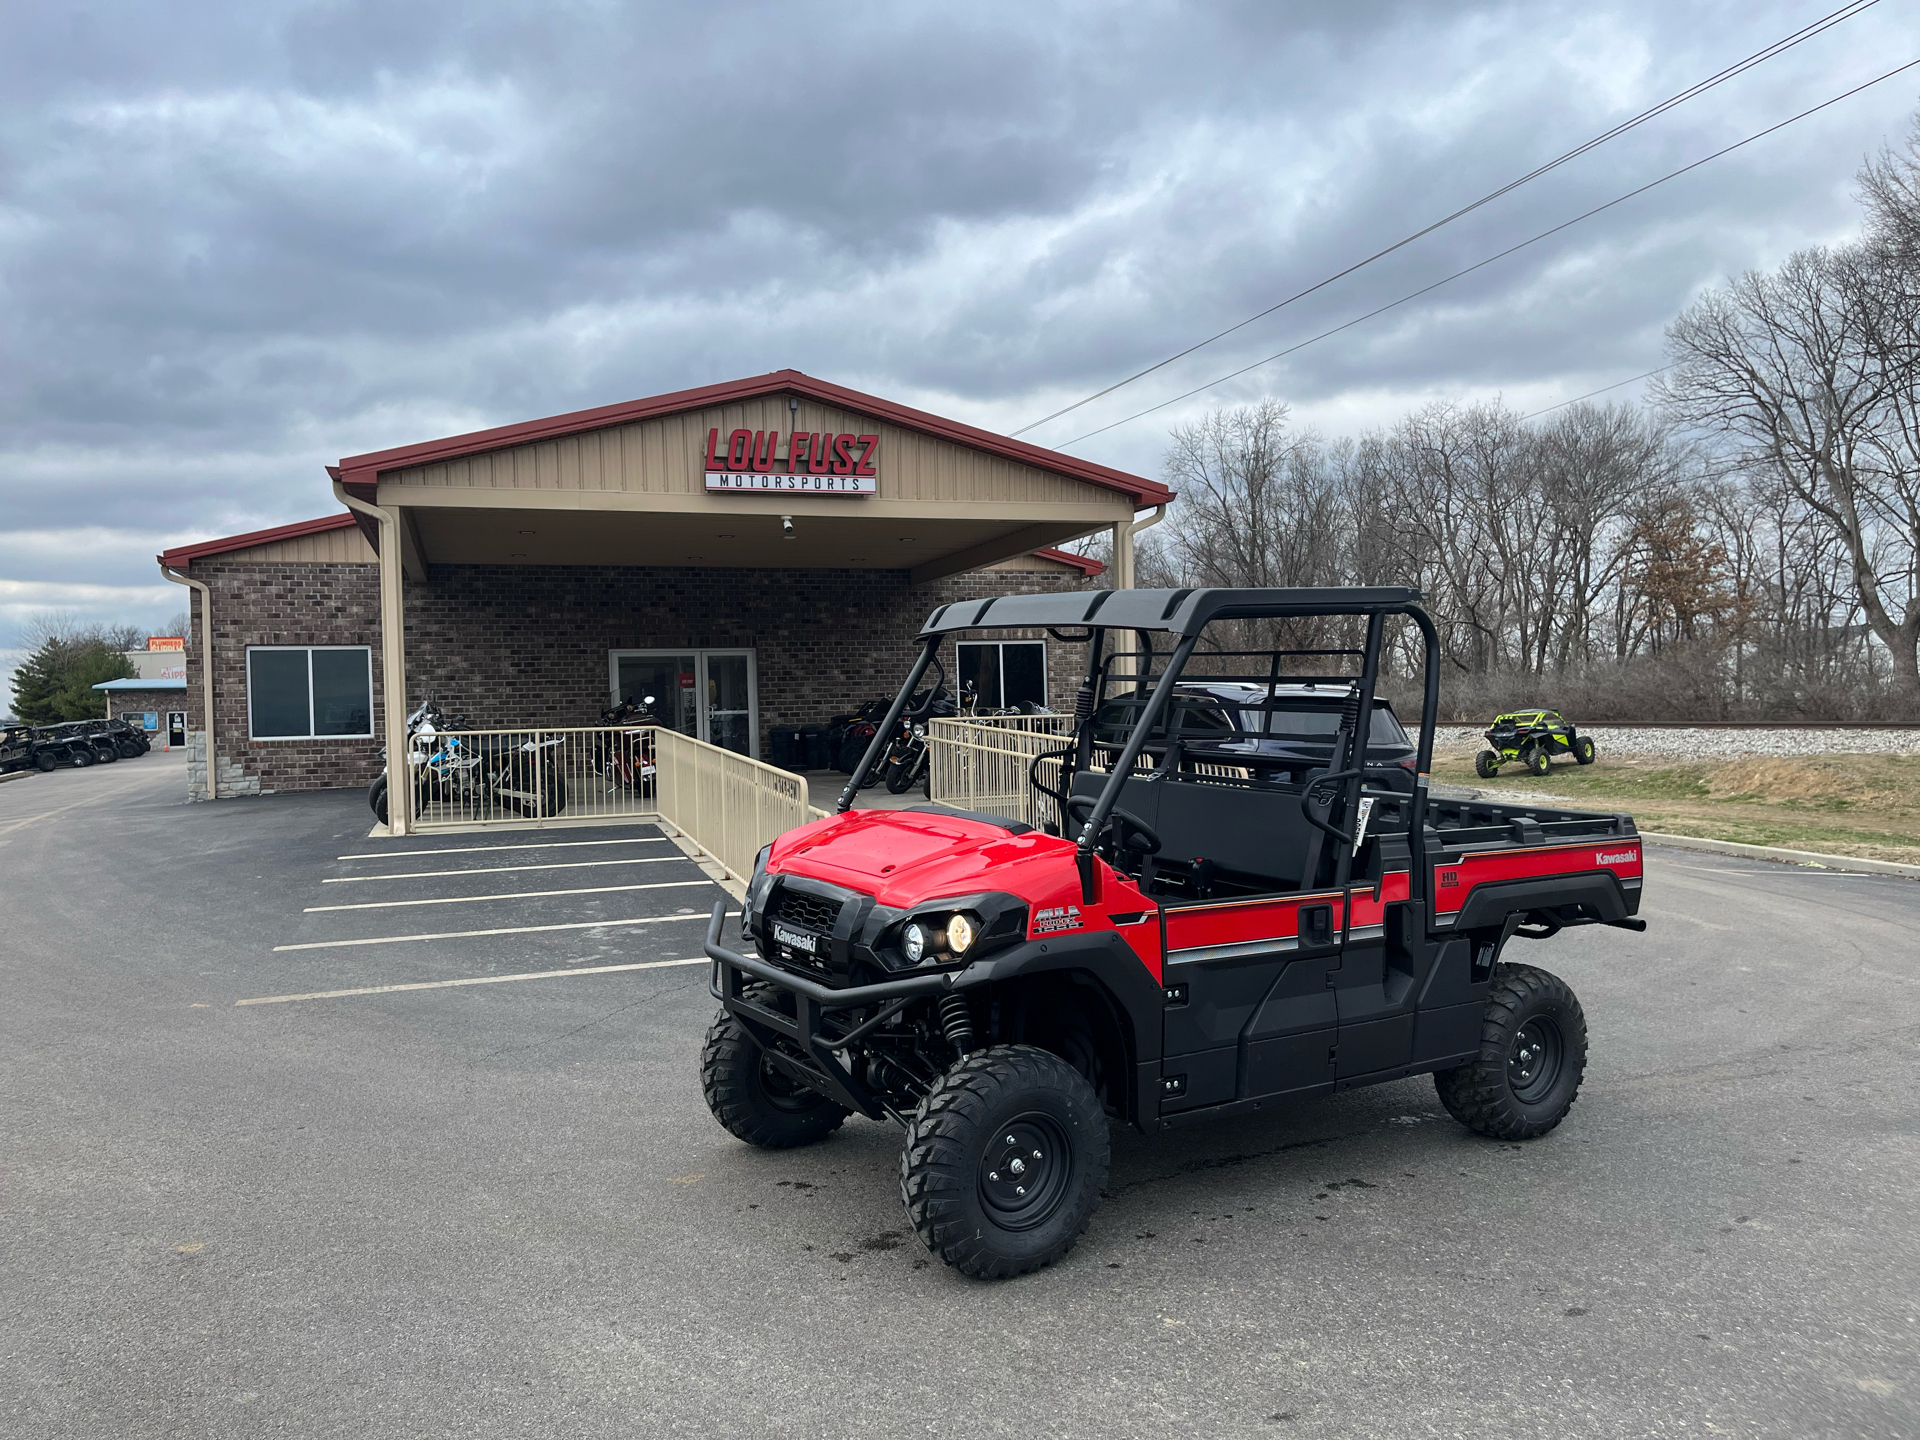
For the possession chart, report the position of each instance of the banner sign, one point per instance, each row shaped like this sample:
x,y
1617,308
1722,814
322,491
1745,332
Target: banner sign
x,y
809,463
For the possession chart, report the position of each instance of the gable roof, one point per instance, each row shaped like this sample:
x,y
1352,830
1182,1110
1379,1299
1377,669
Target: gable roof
x,y
364,470
186,554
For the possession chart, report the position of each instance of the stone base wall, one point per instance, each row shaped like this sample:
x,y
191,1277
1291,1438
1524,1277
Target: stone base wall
x,y
528,645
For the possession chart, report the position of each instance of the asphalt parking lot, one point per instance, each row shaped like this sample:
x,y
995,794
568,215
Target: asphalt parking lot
x,y
456,1203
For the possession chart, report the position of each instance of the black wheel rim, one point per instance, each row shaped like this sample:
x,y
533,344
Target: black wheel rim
x,y
1533,1064
783,1092
1026,1171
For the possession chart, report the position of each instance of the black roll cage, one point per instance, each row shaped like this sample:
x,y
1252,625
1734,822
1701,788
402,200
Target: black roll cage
x,y
1186,613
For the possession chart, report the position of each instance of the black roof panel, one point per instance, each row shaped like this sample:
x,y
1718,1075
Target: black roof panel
x,y
1180,612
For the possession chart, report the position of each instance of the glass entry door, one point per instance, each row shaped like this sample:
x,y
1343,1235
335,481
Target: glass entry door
x,y
708,694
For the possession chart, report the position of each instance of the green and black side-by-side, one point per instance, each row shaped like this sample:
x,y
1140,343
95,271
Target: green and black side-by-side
x,y
1186,925
1533,737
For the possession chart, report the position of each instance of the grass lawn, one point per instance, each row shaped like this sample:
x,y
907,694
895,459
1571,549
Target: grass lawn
x,y
1867,805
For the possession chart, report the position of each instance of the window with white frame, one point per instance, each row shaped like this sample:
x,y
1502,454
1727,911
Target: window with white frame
x,y
300,692
1005,674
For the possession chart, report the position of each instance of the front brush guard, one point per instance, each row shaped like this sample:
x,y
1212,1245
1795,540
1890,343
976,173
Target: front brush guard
x,y
822,1069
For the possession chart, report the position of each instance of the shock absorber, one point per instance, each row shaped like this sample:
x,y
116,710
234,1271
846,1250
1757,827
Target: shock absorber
x,y
957,1021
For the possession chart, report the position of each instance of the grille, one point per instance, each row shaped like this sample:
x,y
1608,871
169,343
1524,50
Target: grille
x,y
808,912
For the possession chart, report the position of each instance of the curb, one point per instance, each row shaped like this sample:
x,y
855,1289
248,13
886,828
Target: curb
x,y
15,775
1790,857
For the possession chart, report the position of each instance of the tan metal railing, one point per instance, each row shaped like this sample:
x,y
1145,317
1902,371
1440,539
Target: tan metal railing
x,y
725,803
484,776
983,764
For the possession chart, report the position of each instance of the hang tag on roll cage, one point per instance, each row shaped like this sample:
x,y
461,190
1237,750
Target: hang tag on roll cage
x,y
1360,830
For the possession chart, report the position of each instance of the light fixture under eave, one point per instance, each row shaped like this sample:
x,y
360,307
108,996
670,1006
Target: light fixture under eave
x,y
906,539
529,532
786,528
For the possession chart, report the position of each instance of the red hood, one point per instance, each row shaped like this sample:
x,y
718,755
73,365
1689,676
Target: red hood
x,y
901,857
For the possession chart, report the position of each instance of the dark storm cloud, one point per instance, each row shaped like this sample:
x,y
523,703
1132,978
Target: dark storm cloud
x,y
238,241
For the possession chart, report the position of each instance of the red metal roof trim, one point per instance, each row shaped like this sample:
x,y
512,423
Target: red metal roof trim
x,y
1085,564
364,469
187,554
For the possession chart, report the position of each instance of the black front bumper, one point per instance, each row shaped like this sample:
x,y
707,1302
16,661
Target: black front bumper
x,y
817,1065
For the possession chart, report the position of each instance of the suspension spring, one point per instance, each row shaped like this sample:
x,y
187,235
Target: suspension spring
x,y
956,1019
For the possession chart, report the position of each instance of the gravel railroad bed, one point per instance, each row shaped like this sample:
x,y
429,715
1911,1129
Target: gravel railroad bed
x,y
1713,743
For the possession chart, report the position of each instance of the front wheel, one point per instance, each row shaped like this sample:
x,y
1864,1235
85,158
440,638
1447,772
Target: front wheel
x,y
753,1098
900,775
1486,764
1533,1053
1583,751
1004,1161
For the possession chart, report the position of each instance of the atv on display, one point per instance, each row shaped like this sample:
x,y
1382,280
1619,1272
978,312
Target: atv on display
x,y
1533,737
1218,931
16,748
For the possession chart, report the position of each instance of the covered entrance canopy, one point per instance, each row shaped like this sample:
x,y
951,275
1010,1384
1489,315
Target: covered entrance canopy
x,y
778,472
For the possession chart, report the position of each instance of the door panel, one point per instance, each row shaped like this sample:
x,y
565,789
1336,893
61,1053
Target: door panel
x,y
729,701
671,680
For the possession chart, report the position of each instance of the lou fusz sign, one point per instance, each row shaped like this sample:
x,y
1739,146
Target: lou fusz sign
x,y
807,462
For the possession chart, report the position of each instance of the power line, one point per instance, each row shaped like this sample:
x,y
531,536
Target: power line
x,y
1601,391
1482,264
1826,22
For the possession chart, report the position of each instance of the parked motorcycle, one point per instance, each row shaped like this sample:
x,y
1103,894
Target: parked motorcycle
x,y
627,758
523,775
906,763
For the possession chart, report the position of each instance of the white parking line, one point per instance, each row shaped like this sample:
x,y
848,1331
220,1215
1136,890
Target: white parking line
x,y
482,849
500,869
474,980
516,895
508,930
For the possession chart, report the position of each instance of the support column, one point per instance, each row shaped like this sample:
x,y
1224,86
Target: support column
x,y
393,672
393,654
1123,555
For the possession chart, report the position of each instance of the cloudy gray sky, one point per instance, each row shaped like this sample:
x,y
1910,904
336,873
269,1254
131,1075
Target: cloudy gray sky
x,y
239,240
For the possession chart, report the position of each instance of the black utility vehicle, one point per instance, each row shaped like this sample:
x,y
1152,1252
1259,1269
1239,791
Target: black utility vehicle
x,y
1208,938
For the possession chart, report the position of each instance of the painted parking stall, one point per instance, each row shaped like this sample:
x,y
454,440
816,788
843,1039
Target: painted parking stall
x,y
404,916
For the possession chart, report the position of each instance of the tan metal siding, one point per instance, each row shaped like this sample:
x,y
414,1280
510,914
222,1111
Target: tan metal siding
x,y
345,546
666,457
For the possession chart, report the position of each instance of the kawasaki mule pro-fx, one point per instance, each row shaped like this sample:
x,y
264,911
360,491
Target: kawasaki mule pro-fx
x,y
1217,929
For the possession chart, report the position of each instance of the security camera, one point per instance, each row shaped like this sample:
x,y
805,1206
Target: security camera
x,y
786,528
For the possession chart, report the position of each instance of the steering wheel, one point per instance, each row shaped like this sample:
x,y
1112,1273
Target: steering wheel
x,y
1129,830
1319,797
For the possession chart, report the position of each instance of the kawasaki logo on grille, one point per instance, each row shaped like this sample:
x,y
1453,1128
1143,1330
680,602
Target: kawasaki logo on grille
x,y
1623,858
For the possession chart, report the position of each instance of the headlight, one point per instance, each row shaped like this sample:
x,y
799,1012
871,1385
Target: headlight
x,y
959,934
914,944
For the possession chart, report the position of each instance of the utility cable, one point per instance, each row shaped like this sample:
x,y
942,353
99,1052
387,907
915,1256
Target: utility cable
x,y
1648,375
1482,264
1826,22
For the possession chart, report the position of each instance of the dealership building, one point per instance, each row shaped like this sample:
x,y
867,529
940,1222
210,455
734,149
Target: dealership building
x,y
754,554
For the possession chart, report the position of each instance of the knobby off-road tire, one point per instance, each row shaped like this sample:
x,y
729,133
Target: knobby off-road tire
x,y
81,758
46,764
1533,1052
1486,764
1539,762
754,1101
1583,751
1004,1162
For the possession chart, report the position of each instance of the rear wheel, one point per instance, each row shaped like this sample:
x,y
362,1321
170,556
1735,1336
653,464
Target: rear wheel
x,y
1486,764
105,753
753,1098
1533,1052
1583,751
81,756
377,799
129,749
1004,1161
1538,761
46,763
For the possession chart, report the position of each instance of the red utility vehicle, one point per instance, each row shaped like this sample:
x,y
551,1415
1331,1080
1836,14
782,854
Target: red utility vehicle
x,y
1195,928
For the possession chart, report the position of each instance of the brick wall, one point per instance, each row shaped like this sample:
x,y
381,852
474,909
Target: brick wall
x,y
132,705
527,645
